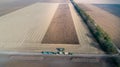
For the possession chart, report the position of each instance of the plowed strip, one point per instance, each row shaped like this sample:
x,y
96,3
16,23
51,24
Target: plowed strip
x,y
61,29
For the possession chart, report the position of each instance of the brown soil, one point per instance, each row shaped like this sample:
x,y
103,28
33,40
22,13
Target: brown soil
x,y
61,29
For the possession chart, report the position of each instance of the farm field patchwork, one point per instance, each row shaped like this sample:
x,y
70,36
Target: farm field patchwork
x,y
27,28
109,22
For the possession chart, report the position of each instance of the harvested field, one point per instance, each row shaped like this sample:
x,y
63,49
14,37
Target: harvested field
x,y
28,26
61,29
7,6
109,22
